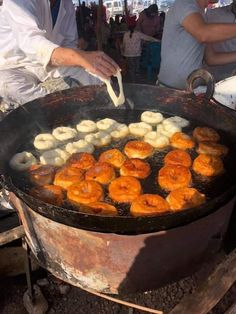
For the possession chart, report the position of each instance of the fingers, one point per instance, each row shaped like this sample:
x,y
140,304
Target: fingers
x,y
100,64
106,65
113,66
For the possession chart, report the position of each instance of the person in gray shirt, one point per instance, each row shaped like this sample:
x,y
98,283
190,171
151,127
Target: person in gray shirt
x,y
218,51
185,35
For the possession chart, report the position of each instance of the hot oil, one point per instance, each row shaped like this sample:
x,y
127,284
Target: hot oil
x,y
211,187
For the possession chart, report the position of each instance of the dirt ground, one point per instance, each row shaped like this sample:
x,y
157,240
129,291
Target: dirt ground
x,y
65,299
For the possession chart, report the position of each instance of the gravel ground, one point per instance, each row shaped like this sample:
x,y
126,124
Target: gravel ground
x,y
65,299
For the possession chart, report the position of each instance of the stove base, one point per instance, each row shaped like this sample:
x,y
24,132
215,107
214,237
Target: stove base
x,y
112,263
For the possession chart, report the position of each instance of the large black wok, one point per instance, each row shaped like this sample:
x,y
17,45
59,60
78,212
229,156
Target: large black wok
x,y
70,106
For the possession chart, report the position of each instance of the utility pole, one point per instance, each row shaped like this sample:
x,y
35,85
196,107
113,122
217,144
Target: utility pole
x,y
99,24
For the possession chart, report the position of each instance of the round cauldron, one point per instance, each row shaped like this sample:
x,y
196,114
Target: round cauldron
x,y
118,254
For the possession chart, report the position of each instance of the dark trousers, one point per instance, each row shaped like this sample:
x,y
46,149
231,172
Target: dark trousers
x,y
133,64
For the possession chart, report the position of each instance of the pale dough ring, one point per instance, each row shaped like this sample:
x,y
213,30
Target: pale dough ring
x,y
64,133
56,157
156,140
121,131
80,146
168,129
86,126
98,139
45,141
140,128
181,122
22,161
152,118
106,124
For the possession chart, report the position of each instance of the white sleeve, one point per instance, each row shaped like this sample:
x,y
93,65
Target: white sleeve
x,y
22,18
70,27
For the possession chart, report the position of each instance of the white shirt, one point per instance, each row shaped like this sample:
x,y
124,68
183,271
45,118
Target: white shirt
x,y
27,36
132,46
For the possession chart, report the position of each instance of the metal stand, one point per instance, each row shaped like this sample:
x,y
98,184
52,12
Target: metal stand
x,y
28,270
34,301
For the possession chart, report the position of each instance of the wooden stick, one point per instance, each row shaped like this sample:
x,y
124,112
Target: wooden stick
x,y
11,235
232,309
211,291
129,304
99,25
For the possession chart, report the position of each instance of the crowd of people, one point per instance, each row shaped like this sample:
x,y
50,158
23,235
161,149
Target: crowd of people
x,y
39,42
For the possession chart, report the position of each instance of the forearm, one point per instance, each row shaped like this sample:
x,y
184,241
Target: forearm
x,y
219,32
96,62
208,33
67,57
219,58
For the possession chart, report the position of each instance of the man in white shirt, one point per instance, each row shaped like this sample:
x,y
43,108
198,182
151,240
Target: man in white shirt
x,y
216,51
185,34
38,41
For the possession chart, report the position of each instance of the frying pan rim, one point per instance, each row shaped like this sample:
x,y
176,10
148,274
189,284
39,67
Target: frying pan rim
x,y
212,201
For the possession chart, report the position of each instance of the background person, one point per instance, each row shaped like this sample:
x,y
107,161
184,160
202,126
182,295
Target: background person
x,y
132,49
149,21
38,41
221,50
184,38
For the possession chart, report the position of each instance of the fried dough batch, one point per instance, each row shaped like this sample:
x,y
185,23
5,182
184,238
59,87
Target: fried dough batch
x,y
100,183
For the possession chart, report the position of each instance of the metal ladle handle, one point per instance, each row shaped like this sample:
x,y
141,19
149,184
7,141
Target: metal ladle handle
x,y
206,77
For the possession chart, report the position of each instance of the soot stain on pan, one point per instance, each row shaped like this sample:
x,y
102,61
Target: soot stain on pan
x,y
211,187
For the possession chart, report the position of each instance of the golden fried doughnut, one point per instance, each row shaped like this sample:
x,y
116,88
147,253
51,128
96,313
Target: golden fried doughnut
x,y
101,172
172,177
182,141
138,149
67,176
113,157
135,168
51,194
81,160
41,175
124,189
85,192
208,165
185,198
149,205
178,157
100,208
211,148
205,134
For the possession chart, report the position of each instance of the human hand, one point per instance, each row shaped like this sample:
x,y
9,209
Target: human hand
x,y
98,63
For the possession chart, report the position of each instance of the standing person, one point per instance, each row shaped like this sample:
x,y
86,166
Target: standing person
x,y
132,50
216,51
185,35
149,21
38,42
